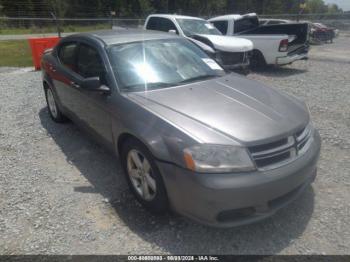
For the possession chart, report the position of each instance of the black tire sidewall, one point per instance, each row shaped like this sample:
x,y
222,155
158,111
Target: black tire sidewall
x,y
257,61
159,204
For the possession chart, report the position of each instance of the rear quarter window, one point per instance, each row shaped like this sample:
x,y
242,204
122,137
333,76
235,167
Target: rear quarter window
x,y
245,24
160,24
152,23
221,26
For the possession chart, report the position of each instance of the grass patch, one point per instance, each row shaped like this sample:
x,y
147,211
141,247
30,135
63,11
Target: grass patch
x,y
15,53
52,29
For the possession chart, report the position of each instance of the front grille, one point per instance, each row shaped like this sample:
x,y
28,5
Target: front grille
x,y
273,159
280,151
230,58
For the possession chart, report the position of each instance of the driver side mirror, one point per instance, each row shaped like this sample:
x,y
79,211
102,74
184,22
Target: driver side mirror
x,y
94,84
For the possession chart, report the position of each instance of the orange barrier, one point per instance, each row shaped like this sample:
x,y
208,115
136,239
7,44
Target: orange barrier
x,y
38,46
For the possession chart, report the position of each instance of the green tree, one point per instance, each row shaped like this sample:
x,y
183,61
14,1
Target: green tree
x,y
334,9
315,6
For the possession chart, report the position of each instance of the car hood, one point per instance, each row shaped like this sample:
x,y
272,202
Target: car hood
x,y
240,109
229,43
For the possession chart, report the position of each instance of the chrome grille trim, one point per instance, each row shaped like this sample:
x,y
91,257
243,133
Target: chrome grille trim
x,y
304,135
304,140
232,58
291,148
275,151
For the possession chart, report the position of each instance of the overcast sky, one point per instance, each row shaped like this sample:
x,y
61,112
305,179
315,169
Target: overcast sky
x,y
344,4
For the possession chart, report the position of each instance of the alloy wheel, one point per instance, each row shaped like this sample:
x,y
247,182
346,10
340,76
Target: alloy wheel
x,y
51,103
140,173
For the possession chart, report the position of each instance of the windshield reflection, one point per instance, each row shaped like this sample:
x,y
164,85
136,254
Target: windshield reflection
x,y
155,64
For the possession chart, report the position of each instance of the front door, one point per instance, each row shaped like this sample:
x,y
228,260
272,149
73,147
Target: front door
x,y
93,108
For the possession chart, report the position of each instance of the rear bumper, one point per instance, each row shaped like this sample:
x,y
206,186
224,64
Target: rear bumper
x,y
290,59
226,200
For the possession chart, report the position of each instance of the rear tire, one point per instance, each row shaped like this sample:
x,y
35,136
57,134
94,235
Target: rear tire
x,y
257,60
143,176
53,108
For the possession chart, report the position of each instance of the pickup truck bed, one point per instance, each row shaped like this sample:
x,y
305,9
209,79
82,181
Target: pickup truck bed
x,y
297,31
273,44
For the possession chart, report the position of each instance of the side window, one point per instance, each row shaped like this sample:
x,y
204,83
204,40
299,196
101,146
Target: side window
x,y
221,26
89,62
153,23
245,24
166,25
66,54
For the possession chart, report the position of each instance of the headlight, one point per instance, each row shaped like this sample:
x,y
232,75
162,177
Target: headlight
x,y
208,158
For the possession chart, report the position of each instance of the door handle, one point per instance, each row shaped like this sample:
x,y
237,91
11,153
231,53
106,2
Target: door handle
x,y
75,85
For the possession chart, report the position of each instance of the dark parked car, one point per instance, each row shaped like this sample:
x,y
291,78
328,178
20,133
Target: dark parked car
x,y
215,147
322,33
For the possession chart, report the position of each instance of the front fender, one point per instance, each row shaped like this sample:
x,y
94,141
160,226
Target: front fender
x,y
162,138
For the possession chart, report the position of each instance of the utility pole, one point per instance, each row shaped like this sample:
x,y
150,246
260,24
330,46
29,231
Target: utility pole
x,y
57,24
302,6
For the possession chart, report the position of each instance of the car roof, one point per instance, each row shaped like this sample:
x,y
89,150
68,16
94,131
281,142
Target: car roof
x,y
231,17
120,36
176,16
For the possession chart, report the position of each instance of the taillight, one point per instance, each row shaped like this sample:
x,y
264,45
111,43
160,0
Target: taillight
x,y
283,45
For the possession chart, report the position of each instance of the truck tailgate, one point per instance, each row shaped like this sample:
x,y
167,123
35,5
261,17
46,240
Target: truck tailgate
x,y
298,33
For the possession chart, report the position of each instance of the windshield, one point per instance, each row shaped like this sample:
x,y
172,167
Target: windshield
x,y
195,26
155,64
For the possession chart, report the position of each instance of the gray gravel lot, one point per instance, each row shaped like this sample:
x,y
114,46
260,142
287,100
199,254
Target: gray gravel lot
x,y
60,193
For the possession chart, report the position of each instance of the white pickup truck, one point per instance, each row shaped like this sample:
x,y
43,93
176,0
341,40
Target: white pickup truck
x,y
279,44
230,52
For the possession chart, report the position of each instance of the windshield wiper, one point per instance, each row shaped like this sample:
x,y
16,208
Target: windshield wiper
x,y
148,86
197,78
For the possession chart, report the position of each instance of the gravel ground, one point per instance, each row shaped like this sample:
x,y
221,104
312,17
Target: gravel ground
x,y
60,193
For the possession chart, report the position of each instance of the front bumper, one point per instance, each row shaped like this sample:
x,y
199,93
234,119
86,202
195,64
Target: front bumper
x,y
226,200
233,60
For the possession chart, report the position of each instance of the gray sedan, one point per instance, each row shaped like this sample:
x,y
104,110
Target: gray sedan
x,y
211,145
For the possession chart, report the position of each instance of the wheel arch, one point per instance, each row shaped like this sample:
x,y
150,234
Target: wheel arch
x,y
158,148
122,138
125,136
46,84
259,58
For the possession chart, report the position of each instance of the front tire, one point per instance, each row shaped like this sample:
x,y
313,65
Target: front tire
x,y
143,176
54,111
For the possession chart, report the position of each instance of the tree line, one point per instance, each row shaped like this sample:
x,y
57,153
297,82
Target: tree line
x,y
141,8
